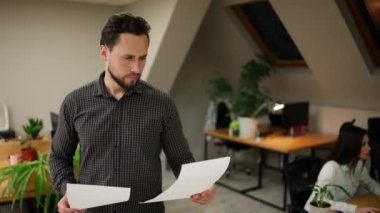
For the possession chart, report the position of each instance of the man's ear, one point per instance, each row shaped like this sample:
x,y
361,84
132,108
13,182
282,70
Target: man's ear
x,y
104,52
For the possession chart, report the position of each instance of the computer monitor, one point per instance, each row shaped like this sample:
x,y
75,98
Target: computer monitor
x,y
295,114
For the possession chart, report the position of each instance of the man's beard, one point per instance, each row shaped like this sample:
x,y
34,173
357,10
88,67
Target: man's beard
x,y
121,83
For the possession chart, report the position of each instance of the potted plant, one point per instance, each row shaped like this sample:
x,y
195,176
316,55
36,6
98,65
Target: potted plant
x,y
32,130
248,100
319,204
19,181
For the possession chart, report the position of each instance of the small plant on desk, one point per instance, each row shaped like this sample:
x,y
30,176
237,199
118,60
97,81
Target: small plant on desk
x,y
322,193
32,130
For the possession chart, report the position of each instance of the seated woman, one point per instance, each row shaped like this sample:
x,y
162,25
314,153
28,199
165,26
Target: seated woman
x,y
346,168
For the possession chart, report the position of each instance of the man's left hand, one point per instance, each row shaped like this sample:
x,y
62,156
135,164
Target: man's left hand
x,y
204,197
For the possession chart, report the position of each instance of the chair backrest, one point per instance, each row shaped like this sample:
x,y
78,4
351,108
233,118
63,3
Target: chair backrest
x,y
54,123
4,119
222,118
300,175
374,142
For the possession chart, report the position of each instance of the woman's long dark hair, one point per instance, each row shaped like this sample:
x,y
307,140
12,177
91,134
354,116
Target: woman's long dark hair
x,y
349,143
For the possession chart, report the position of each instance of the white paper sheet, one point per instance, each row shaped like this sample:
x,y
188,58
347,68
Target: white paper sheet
x,y
83,196
194,178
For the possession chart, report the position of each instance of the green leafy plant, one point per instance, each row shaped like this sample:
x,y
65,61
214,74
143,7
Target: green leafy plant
x,y
234,126
249,95
323,192
76,161
219,88
33,128
19,176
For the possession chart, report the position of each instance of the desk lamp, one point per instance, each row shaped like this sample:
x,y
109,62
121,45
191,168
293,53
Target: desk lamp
x,y
271,106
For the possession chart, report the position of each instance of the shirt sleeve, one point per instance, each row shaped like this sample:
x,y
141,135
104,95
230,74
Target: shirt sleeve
x,y
327,175
175,145
63,148
368,183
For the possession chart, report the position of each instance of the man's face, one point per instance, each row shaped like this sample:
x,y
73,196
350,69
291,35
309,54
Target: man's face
x,y
126,61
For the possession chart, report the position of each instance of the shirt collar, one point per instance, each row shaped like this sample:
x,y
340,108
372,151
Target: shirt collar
x,y
102,91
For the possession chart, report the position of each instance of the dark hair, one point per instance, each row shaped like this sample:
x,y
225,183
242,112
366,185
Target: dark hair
x,y
122,23
349,143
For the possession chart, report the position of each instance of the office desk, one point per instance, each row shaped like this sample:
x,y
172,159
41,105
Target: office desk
x,y
6,148
369,200
275,142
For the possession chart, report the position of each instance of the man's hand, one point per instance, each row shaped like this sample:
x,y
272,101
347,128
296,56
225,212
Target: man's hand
x,y
204,197
64,207
367,210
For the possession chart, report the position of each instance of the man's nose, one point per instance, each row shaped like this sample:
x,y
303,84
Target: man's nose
x,y
137,67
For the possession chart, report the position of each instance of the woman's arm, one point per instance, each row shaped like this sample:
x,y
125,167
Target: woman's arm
x,y
367,182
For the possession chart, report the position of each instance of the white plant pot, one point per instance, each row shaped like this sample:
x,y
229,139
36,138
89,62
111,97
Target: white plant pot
x,y
248,127
314,209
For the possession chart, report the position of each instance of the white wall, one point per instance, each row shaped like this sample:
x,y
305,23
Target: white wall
x,y
183,27
48,49
174,25
158,15
336,82
218,46
339,75
329,118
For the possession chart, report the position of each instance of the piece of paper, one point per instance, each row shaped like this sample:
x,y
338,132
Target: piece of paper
x,y
194,178
83,196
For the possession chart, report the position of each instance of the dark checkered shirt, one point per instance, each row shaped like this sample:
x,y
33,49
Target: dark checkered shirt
x,y
120,142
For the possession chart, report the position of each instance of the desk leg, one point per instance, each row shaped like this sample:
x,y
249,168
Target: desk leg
x,y
259,184
205,148
285,161
263,161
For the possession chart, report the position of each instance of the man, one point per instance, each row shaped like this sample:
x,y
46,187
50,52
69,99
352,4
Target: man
x,y
121,124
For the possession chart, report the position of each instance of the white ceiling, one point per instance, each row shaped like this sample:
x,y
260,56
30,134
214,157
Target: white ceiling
x,y
106,2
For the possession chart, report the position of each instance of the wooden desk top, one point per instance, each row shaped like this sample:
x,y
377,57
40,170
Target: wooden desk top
x,y
4,163
12,147
369,200
277,141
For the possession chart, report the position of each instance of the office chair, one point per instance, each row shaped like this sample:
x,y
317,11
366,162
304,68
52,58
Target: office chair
x,y
374,142
223,121
4,119
5,131
300,175
54,123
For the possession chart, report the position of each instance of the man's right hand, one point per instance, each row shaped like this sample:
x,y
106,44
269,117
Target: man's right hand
x,y
64,207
